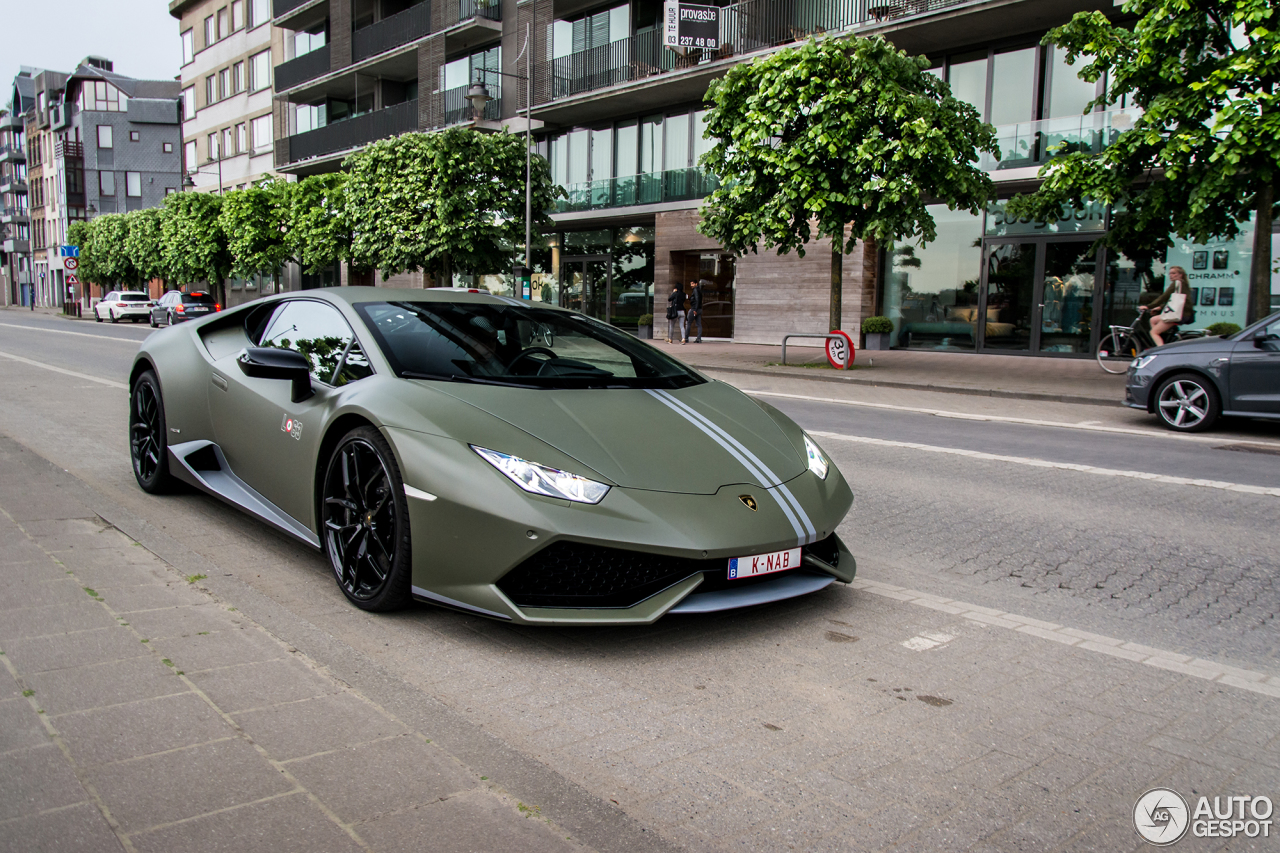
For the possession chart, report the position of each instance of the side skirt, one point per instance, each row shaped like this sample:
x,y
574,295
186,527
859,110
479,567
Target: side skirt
x,y
201,464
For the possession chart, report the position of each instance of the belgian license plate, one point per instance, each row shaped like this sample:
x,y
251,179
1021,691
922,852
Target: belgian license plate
x,y
763,564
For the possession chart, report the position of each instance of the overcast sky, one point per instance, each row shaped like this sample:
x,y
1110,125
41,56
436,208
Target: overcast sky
x,y
139,36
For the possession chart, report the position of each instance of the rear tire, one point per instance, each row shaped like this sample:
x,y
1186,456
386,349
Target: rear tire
x,y
148,436
364,517
113,316
152,320
1115,351
97,315
1187,402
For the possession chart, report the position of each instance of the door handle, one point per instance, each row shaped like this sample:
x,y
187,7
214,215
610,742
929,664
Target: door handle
x,y
220,382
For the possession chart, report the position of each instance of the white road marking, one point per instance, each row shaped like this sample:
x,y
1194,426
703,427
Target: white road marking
x,y
109,382
1090,426
1064,466
77,334
1245,679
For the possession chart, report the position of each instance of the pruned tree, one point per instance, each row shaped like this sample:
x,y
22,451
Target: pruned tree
x,y
846,139
90,270
319,231
1205,152
145,243
195,246
257,222
108,234
440,201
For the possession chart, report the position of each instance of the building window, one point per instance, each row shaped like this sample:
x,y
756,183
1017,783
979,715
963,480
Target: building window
x,y
259,12
104,136
133,184
188,46
224,83
237,15
189,103
213,146
135,136
189,157
101,96
223,30
166,147
169,191
262,133
208,31
305,42
228,142
106,183
260,71
210,90
237,77
242,142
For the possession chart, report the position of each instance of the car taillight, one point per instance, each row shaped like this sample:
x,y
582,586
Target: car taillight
x,y
122,304
217,307
182,309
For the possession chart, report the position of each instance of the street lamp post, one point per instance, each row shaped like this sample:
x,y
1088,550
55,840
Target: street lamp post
x,y
478,95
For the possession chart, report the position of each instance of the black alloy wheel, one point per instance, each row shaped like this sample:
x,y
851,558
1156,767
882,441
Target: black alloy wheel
x,y
148,444
1187,403
366,522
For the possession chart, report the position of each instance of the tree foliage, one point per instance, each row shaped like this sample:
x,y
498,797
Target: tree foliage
x,y
319,231
1205,152
145,243
107,246
195,246
836,134
81,234
255,221
438,201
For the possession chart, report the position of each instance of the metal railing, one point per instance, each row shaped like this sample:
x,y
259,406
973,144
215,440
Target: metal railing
x,y
401,28
651,188
354,132
68,148
458,110
12,151
488,9
14,213
744,27
302,68
1034,143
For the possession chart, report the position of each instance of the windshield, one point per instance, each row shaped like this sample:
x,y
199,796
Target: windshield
x,y
134,297
511,344
198,298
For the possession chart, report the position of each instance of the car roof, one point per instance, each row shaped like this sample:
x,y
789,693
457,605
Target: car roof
x,y
355,295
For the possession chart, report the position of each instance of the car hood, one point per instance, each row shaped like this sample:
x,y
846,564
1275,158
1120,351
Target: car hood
x,y
693,440
1193,345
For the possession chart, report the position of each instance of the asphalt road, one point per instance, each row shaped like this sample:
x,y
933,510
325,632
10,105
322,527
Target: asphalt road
x,y
788,727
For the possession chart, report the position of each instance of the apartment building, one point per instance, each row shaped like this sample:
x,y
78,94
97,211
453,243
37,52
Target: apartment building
x,y
15,220
40,91
619,117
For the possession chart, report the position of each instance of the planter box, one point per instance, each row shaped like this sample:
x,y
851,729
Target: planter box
x,y
645,332
877,341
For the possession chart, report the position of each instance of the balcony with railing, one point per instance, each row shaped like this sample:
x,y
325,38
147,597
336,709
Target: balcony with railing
x,y
300,69
477,22
652,188
456,109
745,27
352,133
14,215
391,32
1034,143
280,8
13,153
490,10
68,148
13,184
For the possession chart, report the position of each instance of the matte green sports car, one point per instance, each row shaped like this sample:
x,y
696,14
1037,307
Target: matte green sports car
x,y
492,455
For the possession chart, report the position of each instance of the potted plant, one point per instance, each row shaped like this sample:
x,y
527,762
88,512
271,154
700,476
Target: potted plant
x,y
646,327
877,330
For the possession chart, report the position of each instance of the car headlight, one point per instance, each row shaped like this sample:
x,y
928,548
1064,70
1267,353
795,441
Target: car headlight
x,y
818,463
1142,361
541,480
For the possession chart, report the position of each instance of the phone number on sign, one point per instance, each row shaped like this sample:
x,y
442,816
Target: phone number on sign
x,y
688,41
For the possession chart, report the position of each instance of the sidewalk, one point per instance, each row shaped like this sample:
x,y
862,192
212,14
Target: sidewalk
x,y
138,712
1065,380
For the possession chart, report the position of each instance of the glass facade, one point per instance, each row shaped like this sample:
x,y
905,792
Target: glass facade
x,y
931,292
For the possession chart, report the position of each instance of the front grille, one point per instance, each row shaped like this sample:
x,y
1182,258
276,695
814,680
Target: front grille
x,y
574,575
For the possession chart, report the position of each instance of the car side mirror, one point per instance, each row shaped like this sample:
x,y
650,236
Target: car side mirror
x,y
274,363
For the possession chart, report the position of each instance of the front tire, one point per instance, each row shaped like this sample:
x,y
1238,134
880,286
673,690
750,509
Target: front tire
x,y
148,436
153,322
97,315
1187,403
365,522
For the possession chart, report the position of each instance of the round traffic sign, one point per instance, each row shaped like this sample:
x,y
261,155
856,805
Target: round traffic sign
x,y
71,263
840,350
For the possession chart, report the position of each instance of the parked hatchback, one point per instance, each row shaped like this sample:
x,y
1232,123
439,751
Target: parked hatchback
x,y
176,306
123,305
1189,384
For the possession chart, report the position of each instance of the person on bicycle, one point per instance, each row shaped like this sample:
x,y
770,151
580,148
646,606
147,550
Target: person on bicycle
x,y
1177,284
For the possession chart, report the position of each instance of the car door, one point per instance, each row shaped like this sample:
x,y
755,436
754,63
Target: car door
x,y
105,303
166,306
1254,380
269,440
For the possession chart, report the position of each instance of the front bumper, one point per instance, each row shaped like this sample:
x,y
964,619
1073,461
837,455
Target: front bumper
x,y
1137,389
480,527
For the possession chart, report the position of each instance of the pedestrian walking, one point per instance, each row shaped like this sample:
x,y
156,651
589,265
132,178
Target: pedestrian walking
x,y
695,310
675,313
1176,310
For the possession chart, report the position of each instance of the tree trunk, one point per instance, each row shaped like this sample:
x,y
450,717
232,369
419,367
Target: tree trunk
x,y
837,269
1260,276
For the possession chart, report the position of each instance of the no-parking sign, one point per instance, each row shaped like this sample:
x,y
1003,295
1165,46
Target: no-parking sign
x,y
840,350
70,263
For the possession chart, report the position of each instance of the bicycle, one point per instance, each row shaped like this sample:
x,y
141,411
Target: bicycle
x,y
1122,344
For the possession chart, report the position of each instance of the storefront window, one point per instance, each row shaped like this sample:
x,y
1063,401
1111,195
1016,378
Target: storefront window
x,y
931,292
631,290
1000,224
1218,272
1013,78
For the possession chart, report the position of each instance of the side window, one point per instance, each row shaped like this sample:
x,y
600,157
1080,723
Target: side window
x,y
320,333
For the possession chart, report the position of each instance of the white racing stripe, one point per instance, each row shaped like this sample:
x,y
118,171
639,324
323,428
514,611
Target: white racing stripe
x,y
804,528
108,338
1064,466
1089,426
108,382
